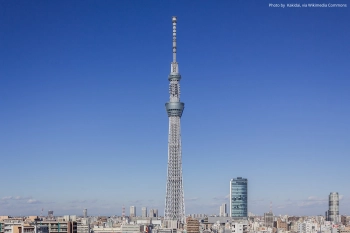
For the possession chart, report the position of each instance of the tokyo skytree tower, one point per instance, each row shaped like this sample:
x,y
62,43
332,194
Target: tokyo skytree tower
x,y
174,200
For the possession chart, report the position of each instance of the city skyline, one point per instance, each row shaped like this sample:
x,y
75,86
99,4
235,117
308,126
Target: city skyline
x,y
83,84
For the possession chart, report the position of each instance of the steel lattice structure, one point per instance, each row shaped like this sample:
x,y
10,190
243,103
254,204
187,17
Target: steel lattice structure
x,y
174,200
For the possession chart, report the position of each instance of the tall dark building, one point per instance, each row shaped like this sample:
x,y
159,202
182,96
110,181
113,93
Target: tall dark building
x,y
268,219
333,207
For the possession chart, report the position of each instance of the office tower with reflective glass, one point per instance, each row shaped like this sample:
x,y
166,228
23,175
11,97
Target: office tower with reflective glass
x,y
239,198
333,207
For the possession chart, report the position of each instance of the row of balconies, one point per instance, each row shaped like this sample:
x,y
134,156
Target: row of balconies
x,y
28,231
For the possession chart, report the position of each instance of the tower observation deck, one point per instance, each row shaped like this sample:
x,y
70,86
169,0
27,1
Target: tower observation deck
x,y
174,200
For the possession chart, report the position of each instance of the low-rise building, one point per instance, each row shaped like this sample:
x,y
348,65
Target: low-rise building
x,y
192,225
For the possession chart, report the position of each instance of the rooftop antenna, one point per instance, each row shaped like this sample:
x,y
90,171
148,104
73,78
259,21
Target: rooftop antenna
x,y
270,206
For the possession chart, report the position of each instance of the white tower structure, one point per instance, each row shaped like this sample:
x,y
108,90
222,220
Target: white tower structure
x,y
174,200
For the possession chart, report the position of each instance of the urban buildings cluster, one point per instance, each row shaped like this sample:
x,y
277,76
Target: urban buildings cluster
x,y
151,222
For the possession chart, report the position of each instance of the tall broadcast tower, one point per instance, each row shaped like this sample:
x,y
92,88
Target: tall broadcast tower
x,y
174,200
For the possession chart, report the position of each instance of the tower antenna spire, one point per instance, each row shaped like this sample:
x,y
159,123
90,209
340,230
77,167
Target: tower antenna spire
x,y
174,19
174,65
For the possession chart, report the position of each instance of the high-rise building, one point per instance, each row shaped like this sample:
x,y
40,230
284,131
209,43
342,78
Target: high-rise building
x,y
153,213
144,212
85,213
239,198
268,219
333,207
174,200
223,210
50,214
132,211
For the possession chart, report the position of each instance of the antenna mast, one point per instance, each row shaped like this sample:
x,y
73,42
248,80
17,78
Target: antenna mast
x,y
174,65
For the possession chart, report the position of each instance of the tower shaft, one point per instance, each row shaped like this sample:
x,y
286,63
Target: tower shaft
x,y
174,200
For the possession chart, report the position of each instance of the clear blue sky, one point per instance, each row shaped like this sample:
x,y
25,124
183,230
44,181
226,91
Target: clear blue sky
x,y
83,86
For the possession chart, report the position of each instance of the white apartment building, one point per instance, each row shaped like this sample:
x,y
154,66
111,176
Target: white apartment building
x,y
307,227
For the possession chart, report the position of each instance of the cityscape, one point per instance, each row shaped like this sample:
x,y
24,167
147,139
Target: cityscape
x,y
66,178
230,218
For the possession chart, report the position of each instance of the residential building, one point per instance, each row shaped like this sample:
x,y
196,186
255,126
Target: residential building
x,y
192,225
83,226
281,225
61,227
239,227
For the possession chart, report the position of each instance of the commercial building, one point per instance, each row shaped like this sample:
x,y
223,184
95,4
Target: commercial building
x,y
333,207
144,212
239,198
153,213
50,214
130,228
132,211
223,210
268,219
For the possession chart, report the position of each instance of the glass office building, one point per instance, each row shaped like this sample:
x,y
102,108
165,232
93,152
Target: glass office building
x,y
239,198
333,210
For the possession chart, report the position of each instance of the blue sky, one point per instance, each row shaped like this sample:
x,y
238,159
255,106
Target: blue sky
x,y
83,86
